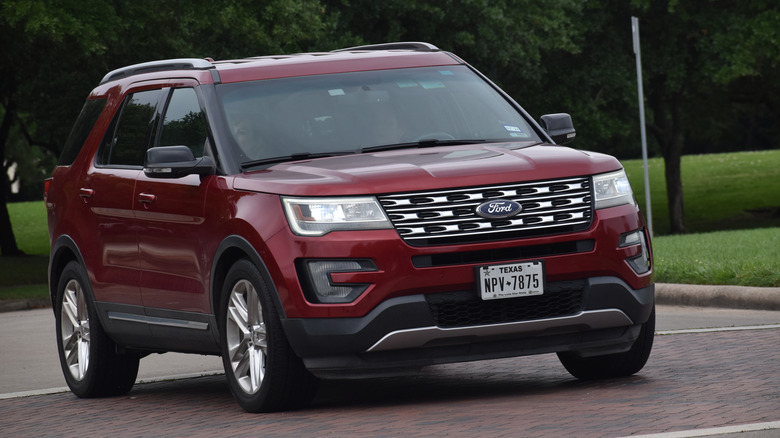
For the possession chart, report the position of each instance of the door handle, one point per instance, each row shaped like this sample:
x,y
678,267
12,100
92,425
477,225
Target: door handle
x,y
86,193
146,198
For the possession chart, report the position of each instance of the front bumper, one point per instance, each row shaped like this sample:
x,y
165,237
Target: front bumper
x,y
402,270
402,334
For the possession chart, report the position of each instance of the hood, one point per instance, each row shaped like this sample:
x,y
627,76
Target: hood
x,y
424,169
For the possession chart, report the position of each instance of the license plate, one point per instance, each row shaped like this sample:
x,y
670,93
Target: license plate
x,y
513,280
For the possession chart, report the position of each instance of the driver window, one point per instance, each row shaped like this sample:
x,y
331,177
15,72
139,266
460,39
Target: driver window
x,y
184,122
127,144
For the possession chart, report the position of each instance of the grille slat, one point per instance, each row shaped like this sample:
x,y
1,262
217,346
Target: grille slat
x,y
448,216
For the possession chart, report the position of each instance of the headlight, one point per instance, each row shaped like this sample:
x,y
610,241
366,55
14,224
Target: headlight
x,y
319,216
612,189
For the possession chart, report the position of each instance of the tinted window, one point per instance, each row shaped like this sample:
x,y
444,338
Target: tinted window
x,y
81,129
184,123
134,130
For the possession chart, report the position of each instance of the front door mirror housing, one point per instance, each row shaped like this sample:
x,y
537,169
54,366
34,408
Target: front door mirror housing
x,y
559,127
176,162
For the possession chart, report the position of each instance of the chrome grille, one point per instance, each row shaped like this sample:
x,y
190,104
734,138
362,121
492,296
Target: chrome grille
x,y
448,216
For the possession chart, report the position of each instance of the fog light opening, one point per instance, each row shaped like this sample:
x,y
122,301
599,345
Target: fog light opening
x,y
320,288
640,263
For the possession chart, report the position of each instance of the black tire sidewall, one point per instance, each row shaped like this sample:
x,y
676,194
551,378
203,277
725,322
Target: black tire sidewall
x,y
108,373
262,399
613,365
85,387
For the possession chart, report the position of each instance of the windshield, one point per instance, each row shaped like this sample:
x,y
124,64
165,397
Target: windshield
x,y
349,112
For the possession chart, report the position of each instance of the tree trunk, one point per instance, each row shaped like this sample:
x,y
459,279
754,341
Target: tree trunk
x,y
674,190
668,131
7,240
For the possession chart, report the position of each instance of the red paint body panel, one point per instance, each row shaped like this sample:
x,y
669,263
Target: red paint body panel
x,y
443,167
397,276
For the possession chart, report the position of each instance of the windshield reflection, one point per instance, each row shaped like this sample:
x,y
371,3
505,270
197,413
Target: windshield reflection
x,y
351,112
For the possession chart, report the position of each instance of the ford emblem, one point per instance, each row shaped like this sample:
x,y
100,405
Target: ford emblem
x,y
498,209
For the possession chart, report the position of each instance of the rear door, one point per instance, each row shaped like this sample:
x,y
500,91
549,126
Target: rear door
x,y
110,246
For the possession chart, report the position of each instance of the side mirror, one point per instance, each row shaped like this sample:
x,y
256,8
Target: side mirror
x,y
559,127
176,162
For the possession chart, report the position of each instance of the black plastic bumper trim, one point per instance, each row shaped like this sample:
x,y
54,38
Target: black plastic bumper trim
x,y
336,346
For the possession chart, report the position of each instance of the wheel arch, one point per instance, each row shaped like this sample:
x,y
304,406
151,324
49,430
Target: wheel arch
x,y
232,249
63,251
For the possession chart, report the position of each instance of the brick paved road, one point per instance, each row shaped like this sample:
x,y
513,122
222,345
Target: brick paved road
x,y
694,380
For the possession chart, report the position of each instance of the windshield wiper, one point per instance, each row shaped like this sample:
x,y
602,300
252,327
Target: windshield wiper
x,y
309,155
428,142
294,157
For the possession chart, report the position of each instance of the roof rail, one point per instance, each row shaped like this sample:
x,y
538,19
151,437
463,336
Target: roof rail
x,y
405,45
164,65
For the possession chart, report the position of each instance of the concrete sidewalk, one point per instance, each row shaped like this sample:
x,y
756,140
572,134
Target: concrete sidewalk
x,y
729,297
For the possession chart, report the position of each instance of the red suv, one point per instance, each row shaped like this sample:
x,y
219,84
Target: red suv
x,y
363,212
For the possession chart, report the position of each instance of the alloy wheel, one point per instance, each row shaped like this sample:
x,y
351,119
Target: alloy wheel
x,y
74,327
246,336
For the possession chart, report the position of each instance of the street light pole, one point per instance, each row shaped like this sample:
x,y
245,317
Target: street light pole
x,y
638,53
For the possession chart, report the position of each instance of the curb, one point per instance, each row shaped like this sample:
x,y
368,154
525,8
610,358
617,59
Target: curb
x,y
730,297
17,305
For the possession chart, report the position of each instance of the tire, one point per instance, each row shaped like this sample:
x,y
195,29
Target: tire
x,y
88,357
613,365
263,372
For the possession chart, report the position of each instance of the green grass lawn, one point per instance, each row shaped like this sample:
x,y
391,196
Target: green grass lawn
x,y
720,191
732,204
25,277
741,257
29,222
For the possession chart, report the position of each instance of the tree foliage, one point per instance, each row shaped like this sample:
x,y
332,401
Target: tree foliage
x,y
61,49
506,39
711,67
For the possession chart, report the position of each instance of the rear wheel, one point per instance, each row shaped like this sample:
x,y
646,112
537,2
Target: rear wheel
x,y
263,372
89,358
613,365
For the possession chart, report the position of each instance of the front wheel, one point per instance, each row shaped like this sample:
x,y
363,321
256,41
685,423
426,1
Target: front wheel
x,y
263,372
613,365
89,358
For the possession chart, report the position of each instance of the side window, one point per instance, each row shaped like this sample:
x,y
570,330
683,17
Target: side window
x,y
133,130
81,129
184,123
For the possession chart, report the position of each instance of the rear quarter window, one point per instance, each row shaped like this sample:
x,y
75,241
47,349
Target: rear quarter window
x,y
81,129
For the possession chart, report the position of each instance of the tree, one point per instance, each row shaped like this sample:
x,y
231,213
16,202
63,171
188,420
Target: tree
x,y
41,31
711,81
698,53
503,38
710,67
597,83
62,48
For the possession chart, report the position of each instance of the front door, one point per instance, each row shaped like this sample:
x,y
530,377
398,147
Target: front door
x,y
170,215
